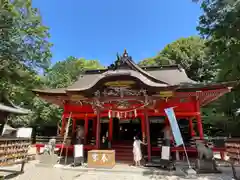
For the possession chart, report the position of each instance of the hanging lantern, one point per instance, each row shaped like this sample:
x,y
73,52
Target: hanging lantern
x,y
109,114
118,115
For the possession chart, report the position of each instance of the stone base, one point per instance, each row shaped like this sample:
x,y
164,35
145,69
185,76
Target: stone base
x,y
189,172
164,164
206,166
48,160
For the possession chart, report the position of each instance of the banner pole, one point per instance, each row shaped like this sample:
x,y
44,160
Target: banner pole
x,y
189,164
177,134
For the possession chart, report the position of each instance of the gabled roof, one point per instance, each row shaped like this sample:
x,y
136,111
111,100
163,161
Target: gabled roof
x,y
85,82
158,76
152,79
7,106
171,74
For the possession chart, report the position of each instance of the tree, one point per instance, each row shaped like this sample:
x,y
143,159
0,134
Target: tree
x,y
219,24
66,72
25,49
25,52
191,54
156,61
61,74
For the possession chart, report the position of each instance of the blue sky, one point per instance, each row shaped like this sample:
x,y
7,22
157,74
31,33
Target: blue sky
x,y
98,29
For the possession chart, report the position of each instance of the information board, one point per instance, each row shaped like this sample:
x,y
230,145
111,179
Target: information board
x,y
24,132
78,150
78,154
165,152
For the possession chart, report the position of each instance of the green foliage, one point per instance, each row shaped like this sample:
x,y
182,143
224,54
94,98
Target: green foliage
x,y
24,51
24,46
66,72
44,114
155,61
61,74
219,24
190,53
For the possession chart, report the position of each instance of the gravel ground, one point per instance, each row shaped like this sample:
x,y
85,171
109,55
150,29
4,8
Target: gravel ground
x,y
33,172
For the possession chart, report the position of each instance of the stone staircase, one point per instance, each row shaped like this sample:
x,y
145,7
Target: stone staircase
x,y
123,152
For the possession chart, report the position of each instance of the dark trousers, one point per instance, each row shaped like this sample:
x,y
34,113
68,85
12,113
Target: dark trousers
x,y
79,141
167,142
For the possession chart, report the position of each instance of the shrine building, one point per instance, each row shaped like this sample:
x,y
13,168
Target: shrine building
x,y
126,100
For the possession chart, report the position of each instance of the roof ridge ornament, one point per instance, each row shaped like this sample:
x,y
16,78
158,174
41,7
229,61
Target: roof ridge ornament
x,y
125,53
121,61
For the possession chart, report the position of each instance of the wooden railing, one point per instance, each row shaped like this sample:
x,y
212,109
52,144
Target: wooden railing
x,y
45,139
218,142
59,140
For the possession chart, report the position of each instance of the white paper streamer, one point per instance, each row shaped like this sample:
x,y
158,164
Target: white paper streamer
x,y
135,113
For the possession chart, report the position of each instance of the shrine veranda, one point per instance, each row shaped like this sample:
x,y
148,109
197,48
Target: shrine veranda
x,y
126,98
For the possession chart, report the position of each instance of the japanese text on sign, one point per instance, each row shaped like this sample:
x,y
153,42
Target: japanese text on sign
x,y
103,158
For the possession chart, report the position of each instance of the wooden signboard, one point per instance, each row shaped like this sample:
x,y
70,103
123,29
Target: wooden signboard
x,y
101,159
166,94
119,83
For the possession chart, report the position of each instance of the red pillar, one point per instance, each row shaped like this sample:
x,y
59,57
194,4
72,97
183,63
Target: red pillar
x,y
110,130
148,134
143,126
199,120
94,127
191,127
98,130
63,126
86,129
200,127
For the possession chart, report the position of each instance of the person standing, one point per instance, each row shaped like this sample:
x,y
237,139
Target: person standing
x,y
104,144
79,135
137,153
167,135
